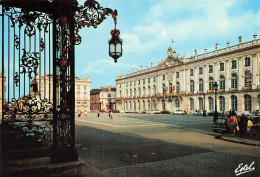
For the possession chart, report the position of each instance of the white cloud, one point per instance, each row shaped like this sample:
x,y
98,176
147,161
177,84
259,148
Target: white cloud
x,y
102,66
182,21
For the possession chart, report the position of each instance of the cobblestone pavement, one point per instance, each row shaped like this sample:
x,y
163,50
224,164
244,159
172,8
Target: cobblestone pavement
x,y
158,145
211,164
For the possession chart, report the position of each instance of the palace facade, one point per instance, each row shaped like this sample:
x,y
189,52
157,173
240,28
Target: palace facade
x,y
186,83
42,88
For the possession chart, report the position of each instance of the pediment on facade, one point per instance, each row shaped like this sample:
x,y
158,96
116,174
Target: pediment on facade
x,y
170,60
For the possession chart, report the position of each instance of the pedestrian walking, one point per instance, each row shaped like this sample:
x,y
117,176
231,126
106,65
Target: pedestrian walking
x,y
233,123
79,113
242,125
98,113
86,113
111,115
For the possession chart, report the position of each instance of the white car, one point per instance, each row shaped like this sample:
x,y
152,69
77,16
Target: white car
x,y
198,113
180,112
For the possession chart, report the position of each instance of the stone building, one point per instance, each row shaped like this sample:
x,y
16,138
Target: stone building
x,y
107,98
44,86
95,99
179,83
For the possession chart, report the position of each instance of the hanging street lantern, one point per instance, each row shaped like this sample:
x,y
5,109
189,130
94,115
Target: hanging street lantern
x,y
115,43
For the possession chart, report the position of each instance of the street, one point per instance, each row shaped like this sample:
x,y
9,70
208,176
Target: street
x,y
159,145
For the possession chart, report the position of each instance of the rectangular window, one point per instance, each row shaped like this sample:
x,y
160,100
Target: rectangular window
x,y
163,77
108,95
148,80
134,83
177,74
139,82
126,83
131,83
247,61
210,68
154,79
143,81
200,70
191,72
221,66
234,64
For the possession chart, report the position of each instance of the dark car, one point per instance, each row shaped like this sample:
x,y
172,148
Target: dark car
x,y
165,112
220,125
212,113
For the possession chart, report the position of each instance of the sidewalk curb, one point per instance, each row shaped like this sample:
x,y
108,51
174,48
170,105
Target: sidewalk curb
x,y
234,141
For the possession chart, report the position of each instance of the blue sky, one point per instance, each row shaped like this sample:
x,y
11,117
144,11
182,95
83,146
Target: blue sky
x,y
147,27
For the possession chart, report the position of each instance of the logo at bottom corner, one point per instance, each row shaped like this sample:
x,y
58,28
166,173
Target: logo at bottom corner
x,y
244,168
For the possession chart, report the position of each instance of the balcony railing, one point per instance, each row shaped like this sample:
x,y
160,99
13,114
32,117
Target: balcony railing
x,y
200,92
232,89
221,90
247,88
191,93
210,91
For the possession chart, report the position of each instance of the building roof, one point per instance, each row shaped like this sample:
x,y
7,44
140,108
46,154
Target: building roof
x,y
112,89
95,91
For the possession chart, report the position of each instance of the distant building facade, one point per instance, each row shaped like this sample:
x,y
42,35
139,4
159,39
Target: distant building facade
x,y
186,83
95,103
42,87
108,98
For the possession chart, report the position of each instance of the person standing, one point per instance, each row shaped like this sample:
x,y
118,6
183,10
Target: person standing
x,y
233,123
111,115
86,113
98,113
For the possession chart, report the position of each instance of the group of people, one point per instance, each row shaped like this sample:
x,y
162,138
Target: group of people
x,y
242,125
79,113
110,115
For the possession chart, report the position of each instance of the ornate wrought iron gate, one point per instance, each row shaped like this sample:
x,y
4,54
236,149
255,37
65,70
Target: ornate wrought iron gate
x,y
27,70
38,72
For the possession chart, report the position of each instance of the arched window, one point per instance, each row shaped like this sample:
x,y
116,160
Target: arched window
x,y
221,103
234,103
191,104
154,89
211,83
170,88
192,86
201,85
177,104
139,105
178,87
149,90
126,105
131,94
126,91
144,105
248,79
149,105
222,82
200,103
163,105
144,91
135,92
139,91
131,106
134,106
247,103
164,88
211,104
234,80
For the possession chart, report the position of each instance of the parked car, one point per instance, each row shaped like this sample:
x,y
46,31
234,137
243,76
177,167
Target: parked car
x,y
116,111
180,112
212,113
156,112
165,112
220,125
198,113
144,112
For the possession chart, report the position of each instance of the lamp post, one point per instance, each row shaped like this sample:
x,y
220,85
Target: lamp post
x,y
204,111
215,87
115,44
